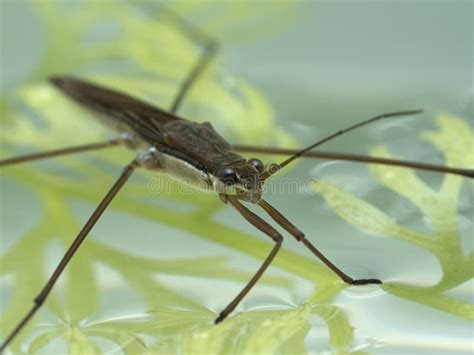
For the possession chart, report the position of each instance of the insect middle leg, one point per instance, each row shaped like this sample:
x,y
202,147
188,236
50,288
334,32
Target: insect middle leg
x,y
356,158
41,297
269,231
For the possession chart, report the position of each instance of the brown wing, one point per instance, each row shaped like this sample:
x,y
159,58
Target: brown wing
x,y
140,117
199,144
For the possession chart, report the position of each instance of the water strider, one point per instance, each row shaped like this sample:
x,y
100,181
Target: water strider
x,y
196,153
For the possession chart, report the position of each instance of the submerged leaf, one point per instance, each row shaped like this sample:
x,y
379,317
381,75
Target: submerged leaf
x,y
455,138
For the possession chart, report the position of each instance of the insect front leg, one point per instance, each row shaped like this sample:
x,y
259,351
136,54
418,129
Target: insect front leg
x,y
269,231
299,235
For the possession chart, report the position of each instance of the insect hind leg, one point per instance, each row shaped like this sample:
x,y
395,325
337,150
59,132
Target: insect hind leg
x,y
209,51
63,151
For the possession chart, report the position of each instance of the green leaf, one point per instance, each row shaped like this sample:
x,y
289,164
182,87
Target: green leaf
x,y
455,139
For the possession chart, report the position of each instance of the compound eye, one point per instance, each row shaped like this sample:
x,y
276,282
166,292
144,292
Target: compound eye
x,y
257,164
227,175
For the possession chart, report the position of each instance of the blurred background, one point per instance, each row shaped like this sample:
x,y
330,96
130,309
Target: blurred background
x,y
287,74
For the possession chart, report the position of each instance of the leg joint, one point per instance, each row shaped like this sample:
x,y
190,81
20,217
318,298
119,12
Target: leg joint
x,y
39,300
278,238
299,235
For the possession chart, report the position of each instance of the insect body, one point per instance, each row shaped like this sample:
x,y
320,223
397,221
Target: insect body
x,y
192,152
